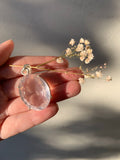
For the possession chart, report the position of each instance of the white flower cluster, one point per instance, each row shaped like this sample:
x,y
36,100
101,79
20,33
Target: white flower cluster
x,y
81,50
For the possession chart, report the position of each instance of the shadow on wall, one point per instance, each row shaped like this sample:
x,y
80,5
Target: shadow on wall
x,y
55,22
103,124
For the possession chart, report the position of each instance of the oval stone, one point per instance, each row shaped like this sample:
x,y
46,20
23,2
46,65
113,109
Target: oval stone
x,y
34,91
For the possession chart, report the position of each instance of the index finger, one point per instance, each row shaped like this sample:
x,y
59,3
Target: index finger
x,y
7,72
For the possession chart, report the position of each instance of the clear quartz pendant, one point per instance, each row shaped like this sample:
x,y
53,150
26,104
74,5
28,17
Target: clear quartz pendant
x,y
34,91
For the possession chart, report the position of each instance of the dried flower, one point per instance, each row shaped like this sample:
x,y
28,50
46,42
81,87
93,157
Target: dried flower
x,y
68,52
109,78
79,48
98,74
72,42
87,60
92,76
59,60
89,50
82,58
90,57
86,76
86,42
105,65
87,47
82,40
83,53
81,80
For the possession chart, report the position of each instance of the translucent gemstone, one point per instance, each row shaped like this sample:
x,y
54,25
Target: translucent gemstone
x,y
34,92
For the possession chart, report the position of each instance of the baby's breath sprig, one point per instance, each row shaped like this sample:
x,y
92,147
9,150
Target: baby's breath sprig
x,y
84,51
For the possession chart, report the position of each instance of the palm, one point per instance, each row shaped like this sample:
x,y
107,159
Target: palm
x,y
15,117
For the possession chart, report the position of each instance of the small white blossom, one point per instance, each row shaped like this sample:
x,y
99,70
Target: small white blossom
x,y
92,76
72,42
108,78
68,52
82,40
86,42
59,60
81,80
98,74
86,76
87,61
79,48
83,53
90,56
89,50
82,58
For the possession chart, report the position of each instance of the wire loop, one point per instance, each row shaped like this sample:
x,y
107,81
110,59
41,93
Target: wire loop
x,y
26,70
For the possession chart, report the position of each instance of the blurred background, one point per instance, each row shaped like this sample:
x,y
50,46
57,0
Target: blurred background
x,y
88,125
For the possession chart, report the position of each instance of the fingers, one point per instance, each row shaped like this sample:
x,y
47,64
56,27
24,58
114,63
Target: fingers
x,y
8,72
65,91
6,49
55,80
20,118
61,92
20,122
16,106
60,76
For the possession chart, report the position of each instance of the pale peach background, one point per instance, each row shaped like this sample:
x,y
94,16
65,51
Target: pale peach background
x,y
87,126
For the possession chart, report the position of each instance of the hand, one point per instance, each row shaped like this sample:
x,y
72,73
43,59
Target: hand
x,y
15,117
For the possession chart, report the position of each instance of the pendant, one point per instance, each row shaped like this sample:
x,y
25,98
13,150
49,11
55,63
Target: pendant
x,y
34,91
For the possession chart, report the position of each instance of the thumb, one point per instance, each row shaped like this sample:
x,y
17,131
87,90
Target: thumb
x,y
6,49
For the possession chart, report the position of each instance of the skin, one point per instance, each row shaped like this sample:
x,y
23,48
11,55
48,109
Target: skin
x,y
15,117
